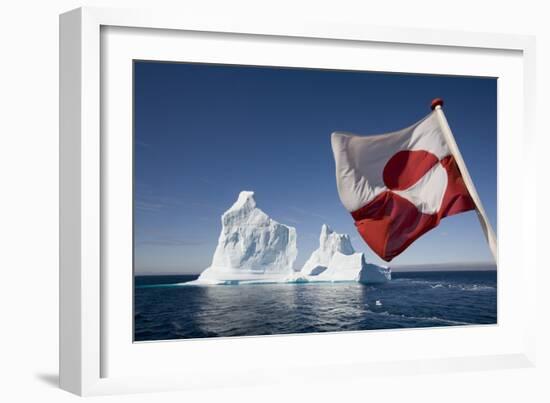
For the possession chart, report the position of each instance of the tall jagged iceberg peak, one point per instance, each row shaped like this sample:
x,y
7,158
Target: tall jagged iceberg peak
x,y
252,247
329,243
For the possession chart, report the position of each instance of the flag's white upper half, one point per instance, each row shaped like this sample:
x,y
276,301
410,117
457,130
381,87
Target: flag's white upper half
x,y
360,163
427,194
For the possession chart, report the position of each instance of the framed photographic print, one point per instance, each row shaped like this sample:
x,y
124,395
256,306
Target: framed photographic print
x,y
237,197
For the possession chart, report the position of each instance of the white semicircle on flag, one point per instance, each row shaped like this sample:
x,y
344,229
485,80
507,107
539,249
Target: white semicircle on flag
x,y
427,194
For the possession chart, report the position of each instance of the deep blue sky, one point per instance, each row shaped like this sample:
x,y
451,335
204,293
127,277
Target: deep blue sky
x,y
203,133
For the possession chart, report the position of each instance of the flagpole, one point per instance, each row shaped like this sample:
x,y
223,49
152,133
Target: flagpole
x,y
451,142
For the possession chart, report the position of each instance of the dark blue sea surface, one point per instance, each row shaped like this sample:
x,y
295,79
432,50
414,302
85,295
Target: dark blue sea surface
x,y
164,310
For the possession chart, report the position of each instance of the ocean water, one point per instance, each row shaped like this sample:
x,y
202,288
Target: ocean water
x,y
164,310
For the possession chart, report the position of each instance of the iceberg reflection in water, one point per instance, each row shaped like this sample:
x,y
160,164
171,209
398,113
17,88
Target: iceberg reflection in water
x,y
165,310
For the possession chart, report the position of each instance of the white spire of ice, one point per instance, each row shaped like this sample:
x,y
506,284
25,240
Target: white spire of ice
x,y
251,244
245,202
329,243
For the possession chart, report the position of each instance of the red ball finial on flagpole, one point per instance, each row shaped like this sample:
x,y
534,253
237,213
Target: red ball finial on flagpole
x,y
437,102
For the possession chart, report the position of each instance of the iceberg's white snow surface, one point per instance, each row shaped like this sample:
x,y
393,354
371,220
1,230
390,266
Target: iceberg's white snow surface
x,y
335,260
342,268
374,274
251,247
329,243
353,268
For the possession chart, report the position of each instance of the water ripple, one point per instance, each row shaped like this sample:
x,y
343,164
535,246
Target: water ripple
x,y
410,300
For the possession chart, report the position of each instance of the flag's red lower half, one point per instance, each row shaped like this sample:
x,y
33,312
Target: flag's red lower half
x,y
390,223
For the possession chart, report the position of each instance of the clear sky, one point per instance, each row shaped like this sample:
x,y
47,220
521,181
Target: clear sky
x,y
203,133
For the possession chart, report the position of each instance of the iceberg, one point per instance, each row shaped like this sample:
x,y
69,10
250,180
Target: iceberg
x,y
252,247
335,260
329,243
255,249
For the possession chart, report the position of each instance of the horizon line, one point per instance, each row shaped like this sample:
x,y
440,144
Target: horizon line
x,y
397,268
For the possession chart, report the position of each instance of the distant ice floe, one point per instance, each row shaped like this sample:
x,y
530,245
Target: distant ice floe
x,y
255,249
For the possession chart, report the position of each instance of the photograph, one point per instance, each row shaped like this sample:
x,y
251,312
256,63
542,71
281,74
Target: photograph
x,y
273,200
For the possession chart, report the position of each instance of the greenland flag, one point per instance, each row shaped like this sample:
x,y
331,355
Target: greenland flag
x,y
398,186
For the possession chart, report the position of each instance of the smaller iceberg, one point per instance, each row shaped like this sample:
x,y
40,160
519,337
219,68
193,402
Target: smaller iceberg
x,y
329,243
336,261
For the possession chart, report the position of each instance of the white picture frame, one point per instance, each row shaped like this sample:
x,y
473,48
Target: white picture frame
x,y
94,329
